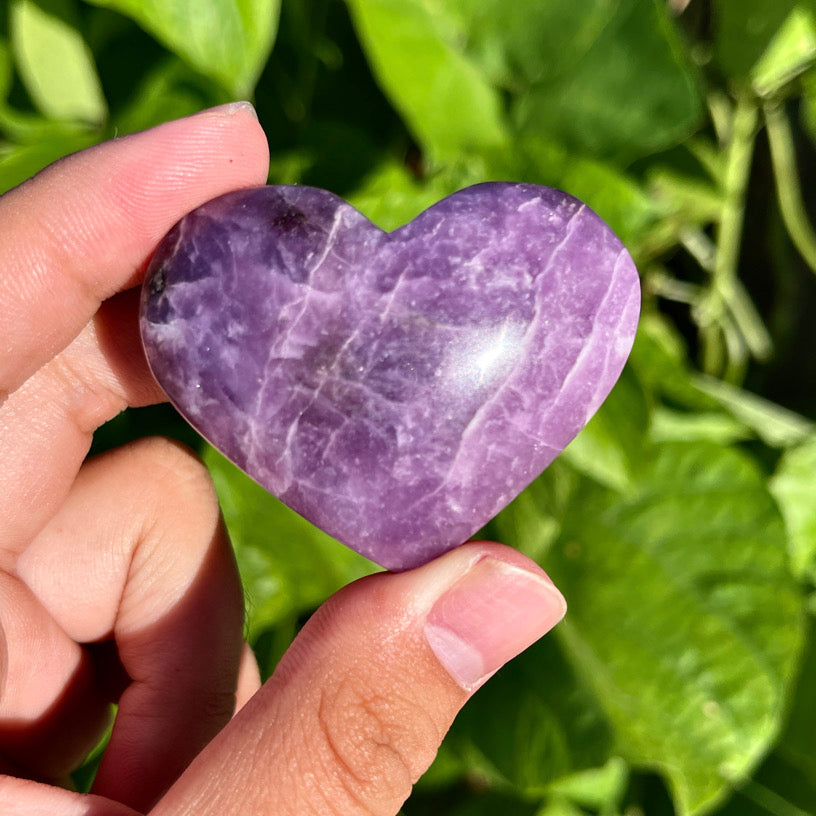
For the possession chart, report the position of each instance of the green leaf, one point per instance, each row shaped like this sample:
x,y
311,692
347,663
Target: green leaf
x,y
288,566
634,91
776,426
20,162
684,619
533,724
390,196
169,91
446,769
796,745
5,70
692,200
794,486
595,787
26,128
791,52
227,40
558,806
610,447
684,426
660,361
520,43
54,62
744,28
444,97
532,522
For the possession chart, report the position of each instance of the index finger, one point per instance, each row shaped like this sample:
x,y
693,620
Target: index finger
x,y
66,248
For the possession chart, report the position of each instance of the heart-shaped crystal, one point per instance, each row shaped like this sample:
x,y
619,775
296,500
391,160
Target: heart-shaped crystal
x,y
396,389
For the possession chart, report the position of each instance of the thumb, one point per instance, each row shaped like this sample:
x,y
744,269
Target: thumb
x,y
359,704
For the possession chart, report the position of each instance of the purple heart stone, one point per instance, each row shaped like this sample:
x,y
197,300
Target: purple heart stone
x,y
396,389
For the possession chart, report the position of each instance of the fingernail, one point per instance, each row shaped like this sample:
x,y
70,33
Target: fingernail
x,y
491,614
233,108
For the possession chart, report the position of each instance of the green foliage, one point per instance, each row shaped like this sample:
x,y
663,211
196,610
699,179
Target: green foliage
x,y
745,28
227,40
681,523
54,61
444,97
693,675
632,92
792,485
288,565
790,53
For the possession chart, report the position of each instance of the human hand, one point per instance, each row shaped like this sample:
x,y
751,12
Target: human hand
x,y
117,582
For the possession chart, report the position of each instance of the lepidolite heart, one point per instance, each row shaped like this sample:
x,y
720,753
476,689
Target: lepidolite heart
x,y
396,389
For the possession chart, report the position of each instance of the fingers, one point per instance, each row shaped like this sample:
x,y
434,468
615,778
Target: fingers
x,y
71,237
22,796
51,417
358,706
50,715
84,228
143,558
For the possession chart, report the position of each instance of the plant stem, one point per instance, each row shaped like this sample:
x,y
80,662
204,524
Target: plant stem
x,y
749,321
664,285
783,158
770,801
726,289
745,319
737,171
777,426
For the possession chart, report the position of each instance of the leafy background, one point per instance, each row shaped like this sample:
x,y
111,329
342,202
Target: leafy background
x,y
681,523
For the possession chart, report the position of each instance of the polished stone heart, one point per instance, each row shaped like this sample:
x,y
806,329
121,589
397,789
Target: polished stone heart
x,y
396,389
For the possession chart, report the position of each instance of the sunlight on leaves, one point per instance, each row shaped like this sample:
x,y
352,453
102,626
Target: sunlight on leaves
x,y
683,617
793,485
790,53
54,62
228,40
633,92
744,28
445,99
519,44
595,788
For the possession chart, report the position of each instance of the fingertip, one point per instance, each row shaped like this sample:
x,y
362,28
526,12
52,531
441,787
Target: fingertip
x,y
238,118
493,612
234,108
191,161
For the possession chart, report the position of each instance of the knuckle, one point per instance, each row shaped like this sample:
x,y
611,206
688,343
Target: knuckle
x,y
177,500
176,472
375,746
86,397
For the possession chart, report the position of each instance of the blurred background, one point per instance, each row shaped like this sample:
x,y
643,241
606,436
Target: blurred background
x,y
681,524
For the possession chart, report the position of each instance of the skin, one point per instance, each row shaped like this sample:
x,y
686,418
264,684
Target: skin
x,y
117,581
